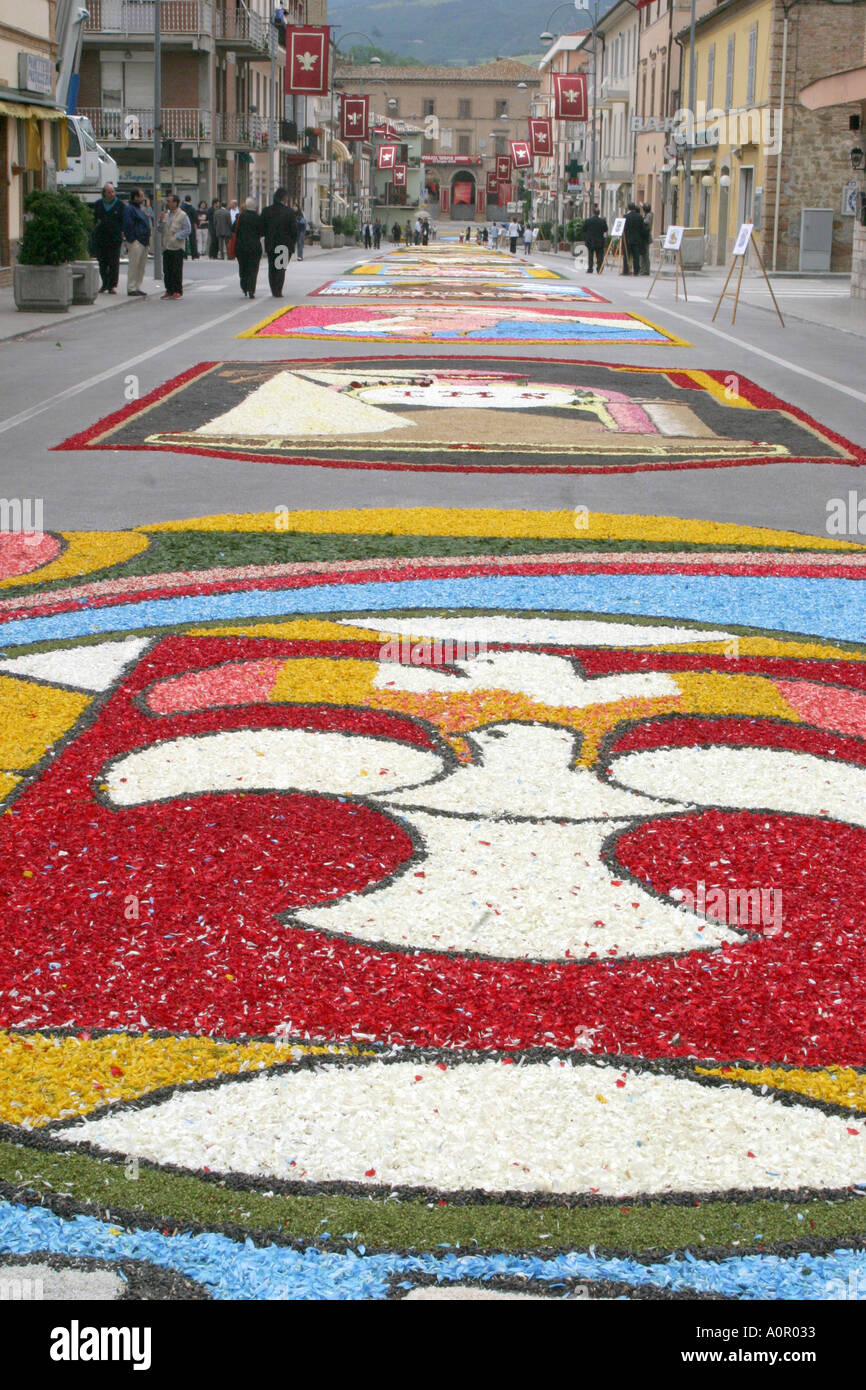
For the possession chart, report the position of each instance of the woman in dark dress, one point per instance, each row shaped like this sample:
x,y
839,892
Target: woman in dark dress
x,y
248,242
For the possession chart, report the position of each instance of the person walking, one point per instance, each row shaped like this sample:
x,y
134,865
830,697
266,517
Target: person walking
x,y
188,208
377,234
281,233
213,245
425,232
136,231
248,233
175,228
633,239
301,226
594,237
513,234
368,237
222,225
108,214
527,240
645,249
201,228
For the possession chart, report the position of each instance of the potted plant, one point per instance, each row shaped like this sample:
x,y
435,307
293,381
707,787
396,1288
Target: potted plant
x,y
55,235
545,236
574,232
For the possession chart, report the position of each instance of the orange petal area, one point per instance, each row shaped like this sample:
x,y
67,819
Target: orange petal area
x,y
306,680
827,706
44,1077
836,1085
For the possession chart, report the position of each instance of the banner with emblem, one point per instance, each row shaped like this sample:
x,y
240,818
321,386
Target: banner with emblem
x,y
399,176
503,167
569,95
386,157
354,118
307,51
541,136
492,186
521,154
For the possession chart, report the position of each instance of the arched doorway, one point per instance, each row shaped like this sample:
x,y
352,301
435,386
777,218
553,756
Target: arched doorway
x,y
463,197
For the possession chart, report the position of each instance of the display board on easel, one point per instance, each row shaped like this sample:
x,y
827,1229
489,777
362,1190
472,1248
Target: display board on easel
x,y
671,247
745,239
613,250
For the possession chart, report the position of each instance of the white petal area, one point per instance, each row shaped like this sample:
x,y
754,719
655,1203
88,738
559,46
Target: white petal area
x,y
536,890
85,668
528,770
769,779
550,632
266,759
287,404
549,1127
550,680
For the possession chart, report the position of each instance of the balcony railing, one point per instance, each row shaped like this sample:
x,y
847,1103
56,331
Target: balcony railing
x,y
240,128
241,27
136,17
134,125
613,90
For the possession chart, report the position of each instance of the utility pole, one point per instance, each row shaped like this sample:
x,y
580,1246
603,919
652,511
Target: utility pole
x,y
690,132
157,139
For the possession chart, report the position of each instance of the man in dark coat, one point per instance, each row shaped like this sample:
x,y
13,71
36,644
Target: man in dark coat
x,y
107,237
280,231
634,239
595,236
248,233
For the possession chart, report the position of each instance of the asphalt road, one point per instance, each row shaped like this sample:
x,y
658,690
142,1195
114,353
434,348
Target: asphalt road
x,y
57,381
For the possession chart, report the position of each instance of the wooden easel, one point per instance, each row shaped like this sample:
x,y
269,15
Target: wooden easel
x,y
678,271
744,241
612,250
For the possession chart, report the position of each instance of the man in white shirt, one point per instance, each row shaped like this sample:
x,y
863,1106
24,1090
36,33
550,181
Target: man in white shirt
x,y
513,234
234,210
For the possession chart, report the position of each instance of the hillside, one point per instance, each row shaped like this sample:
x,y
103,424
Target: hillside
x,y
450,31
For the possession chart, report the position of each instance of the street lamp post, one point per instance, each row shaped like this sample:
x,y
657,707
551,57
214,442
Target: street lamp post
x,y
157,140
687,164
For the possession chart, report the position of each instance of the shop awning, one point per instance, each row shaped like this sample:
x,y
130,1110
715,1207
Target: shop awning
x,y
25,113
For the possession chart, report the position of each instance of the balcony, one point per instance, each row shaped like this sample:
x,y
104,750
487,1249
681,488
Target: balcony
x,y
124,19
614,91
615,168
134,125
240,128
243,31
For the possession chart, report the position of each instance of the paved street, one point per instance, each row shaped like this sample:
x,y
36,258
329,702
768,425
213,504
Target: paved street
x,y
60,379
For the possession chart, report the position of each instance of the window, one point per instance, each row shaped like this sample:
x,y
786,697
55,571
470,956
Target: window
x,y
501,107
501,145
652,99
753,54
729,76
465,110
711,73
463,142
429,106
643,109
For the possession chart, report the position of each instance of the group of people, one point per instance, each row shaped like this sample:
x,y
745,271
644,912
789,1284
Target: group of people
x,y
417,235
372,234
221,231
636,239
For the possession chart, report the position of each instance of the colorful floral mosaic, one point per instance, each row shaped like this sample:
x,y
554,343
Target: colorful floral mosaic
x,y
417,323
381,882
525,415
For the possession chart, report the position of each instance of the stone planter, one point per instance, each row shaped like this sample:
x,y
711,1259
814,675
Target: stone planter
x,y
543,245
85,281
42,289
327,237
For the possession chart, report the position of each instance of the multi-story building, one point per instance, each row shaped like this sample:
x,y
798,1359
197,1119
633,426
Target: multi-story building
x,y
392,204
556,191
616,68
660,91
32,129
467,115
232,130
758,154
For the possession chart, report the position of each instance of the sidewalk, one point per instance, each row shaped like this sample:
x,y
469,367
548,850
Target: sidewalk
x,y
16,324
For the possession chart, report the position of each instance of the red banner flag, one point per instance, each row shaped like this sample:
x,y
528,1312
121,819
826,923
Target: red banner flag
x,y
503,167
399,175
387,157
569,91
541,136
521,154
492,185
307,60
354,118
